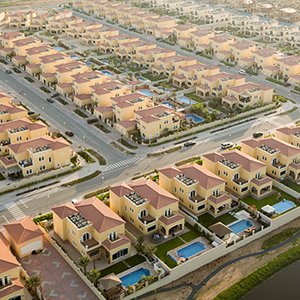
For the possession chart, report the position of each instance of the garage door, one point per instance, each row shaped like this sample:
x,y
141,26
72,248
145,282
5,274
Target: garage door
x,y
37,245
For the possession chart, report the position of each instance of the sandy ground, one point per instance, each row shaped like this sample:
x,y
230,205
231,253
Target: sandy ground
x,y
227,276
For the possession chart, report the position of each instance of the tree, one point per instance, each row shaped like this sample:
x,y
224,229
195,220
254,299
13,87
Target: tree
x,y
33,283
94,276
84,262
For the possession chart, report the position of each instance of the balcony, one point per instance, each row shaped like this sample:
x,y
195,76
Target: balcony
x,y
5,142
147,219
25,163
90,244
240,181
278,165
245,99
196,199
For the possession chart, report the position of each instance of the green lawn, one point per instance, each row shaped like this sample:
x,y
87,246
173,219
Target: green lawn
x,y
153,77
194,97
162,250
271,200
191,234
206,219
293,185
121,266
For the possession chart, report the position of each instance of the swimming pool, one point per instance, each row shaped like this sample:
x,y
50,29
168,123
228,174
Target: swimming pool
x,y
106,72
186,100
191,250
59,48
283,206
194,118
146,92
134,277
168,104
75,56
240,226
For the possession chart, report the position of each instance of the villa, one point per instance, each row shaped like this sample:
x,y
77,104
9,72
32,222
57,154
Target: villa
x,y
243,174
289,135
147,206
92,228
281,158
197,189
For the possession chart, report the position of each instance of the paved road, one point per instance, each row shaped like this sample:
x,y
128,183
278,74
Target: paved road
x,y
13,206
61,118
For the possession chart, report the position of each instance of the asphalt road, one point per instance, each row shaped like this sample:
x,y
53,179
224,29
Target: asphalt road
x,y
61,118
41,201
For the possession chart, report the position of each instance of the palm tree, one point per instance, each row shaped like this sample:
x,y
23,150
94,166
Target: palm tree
x,y
94,276
33,283
84,262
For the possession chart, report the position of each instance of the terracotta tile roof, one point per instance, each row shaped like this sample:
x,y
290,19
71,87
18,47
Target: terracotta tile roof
x,y
110,245
99,214
170,171
39,142
241,45
289,130
11,109
258,182
153,111
127,124
171,220
8,161
220,199
7,259
11,35
21,123
103,109
25,41
284,148
23,230
156,195
265,52
65,210
221,38
39,49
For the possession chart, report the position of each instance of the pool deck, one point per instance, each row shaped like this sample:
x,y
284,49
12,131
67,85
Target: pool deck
x,y
144,265
173,252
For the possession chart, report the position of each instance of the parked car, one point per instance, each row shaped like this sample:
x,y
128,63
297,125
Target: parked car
x,y
189,144
54,95
92,120
69,133
50,100
8,71
30,113
243,72
258,134
227,145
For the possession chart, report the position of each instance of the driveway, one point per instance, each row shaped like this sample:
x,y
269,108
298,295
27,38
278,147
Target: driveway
x,y
59,281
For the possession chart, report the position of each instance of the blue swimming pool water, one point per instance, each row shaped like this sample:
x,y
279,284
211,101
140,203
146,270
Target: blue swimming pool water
x,y
166,103
134,277
283,206
186,100
240,226
106,72
194,118
58,48
75,57
146,93
191,249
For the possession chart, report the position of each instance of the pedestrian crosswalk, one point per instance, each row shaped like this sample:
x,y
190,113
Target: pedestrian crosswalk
x,y
123,163
15,211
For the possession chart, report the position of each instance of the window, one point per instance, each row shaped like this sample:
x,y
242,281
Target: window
x,y
151,228
120,253
113,236
244,189
192,193
258,175
216,193
202,206
85,236
168,212
143,213
236,176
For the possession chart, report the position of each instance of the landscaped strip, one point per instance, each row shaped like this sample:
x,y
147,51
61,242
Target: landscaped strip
x,y
82,179
126,144
241,288
99,157
86,157
280,237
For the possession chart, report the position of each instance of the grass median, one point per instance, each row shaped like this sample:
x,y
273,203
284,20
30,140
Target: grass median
x,y
82,179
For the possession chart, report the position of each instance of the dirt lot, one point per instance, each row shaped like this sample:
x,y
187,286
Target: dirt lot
x,y
227,276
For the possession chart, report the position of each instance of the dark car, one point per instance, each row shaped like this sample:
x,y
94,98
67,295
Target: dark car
x,y
69,133
54,95
30,113
92,120
189,144
258,134
50,100
8,71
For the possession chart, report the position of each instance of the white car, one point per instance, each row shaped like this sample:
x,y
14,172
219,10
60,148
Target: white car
x,y
227,145
243,72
